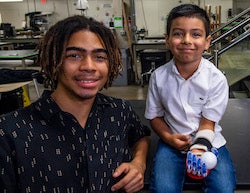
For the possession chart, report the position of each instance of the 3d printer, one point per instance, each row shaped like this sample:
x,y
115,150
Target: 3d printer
x,y
35,21
6,30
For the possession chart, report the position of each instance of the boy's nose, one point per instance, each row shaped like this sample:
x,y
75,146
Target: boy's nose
x,y
186,39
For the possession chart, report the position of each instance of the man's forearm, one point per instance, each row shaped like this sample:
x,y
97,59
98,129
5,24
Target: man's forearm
x,y
140,151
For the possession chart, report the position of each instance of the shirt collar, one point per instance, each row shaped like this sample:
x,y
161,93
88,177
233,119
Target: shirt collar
x,y
200,67
48,107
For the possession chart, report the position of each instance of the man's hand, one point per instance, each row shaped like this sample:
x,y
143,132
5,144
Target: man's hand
x,y
133,179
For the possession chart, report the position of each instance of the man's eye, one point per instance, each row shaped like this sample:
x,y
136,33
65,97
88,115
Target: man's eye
x,y
101,57
74,56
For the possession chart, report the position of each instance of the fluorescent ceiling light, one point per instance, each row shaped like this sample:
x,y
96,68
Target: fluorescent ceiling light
x,y
10,0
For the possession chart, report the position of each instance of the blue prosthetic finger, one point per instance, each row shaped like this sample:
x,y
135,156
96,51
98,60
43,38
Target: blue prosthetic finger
x,y
194,164
215,151
189,162
204,170
199,167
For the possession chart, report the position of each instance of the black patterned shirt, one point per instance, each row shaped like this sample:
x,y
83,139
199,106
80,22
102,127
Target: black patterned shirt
x,y
43,149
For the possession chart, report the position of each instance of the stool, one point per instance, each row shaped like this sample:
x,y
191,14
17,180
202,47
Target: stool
x,y
150,60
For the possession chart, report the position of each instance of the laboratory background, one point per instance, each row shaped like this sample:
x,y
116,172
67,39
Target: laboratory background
x,y
140,28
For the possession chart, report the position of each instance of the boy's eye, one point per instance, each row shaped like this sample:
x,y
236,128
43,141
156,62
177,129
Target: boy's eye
x,y
177,33
196,34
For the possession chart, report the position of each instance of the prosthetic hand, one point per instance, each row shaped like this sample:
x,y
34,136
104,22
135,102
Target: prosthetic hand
x,y
198,165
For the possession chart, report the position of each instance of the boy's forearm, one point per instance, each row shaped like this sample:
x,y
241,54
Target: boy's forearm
x,y
161,128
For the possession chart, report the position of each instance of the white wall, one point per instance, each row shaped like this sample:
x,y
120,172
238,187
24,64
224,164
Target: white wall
x,y
240,5
152,14
14,13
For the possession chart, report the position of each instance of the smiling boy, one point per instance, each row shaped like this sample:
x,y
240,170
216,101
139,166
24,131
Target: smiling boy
x,y
186,99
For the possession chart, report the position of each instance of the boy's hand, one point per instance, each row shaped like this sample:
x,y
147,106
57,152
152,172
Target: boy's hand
x,y
133,179
199,163
180,141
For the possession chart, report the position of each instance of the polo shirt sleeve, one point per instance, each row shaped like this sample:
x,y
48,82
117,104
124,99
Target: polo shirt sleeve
x,y
217,99
154,106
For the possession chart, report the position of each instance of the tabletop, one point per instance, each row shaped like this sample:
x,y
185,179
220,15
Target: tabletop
x,y
21,39
150,41
6,45
12,86
17,54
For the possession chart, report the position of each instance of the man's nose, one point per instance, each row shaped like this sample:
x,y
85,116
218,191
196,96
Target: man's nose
x,y
87,63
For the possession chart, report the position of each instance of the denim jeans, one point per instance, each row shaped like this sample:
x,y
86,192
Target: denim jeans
x,y
169,172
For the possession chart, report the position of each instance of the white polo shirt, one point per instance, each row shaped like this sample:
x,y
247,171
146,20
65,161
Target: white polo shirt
x,y
182,102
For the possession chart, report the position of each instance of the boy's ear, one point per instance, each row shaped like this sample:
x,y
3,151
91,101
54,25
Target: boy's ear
x,y
166,40
208,41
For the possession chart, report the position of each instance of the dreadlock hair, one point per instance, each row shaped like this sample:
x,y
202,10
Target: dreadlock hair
x,y
52,48
188,10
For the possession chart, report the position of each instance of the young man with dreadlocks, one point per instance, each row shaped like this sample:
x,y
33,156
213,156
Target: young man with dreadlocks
x,y
73,138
